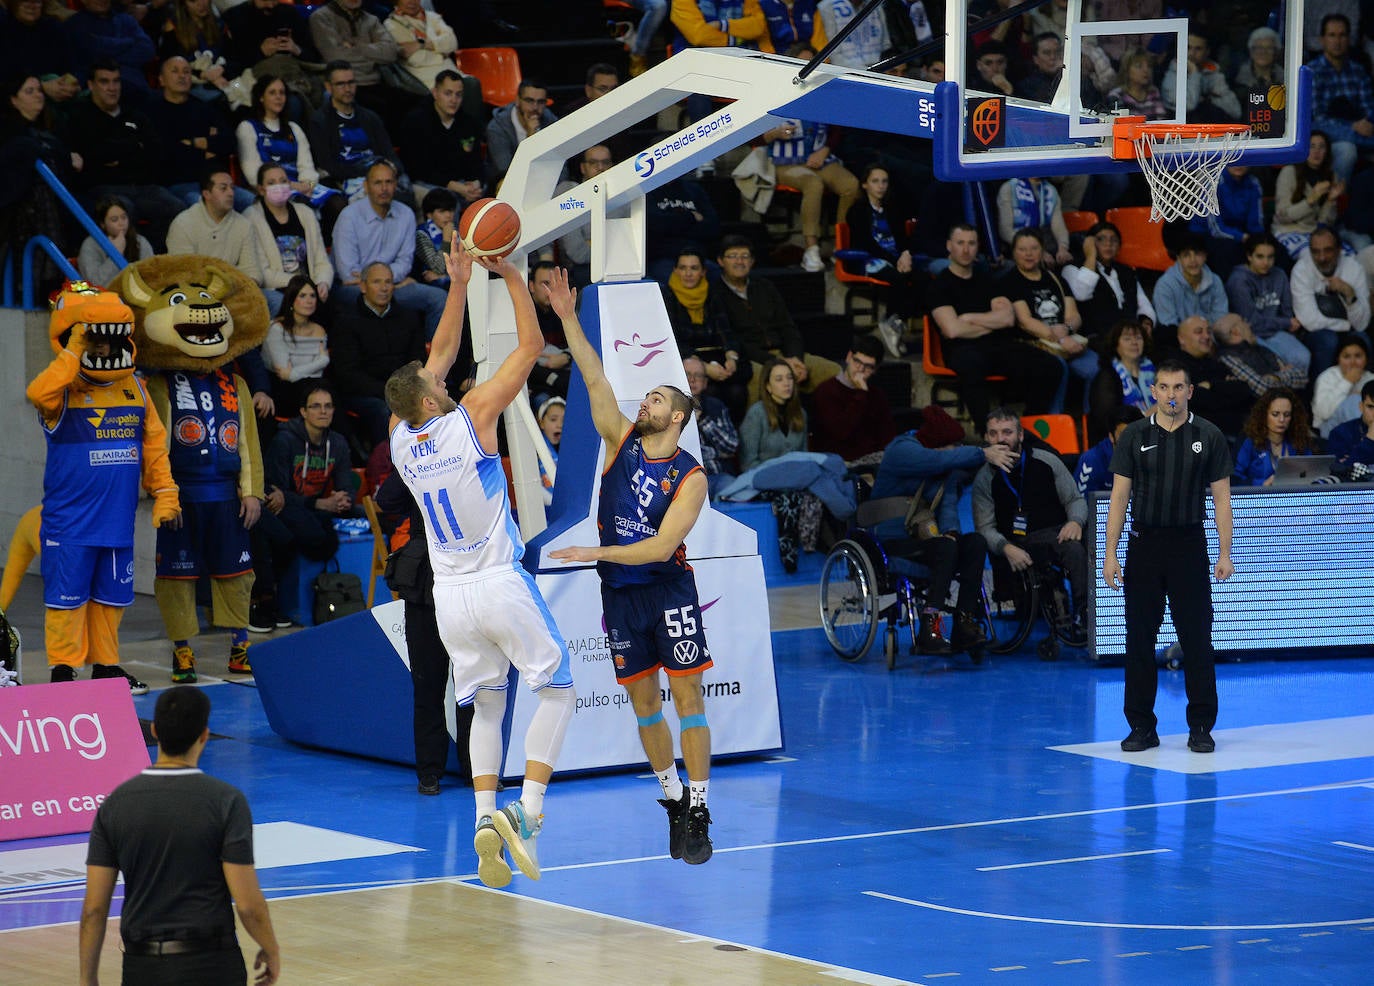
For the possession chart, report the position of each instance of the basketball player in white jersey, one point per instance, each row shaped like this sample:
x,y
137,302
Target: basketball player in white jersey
x,y
490,613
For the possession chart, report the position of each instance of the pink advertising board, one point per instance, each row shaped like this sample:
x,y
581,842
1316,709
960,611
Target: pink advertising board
x,y
63,749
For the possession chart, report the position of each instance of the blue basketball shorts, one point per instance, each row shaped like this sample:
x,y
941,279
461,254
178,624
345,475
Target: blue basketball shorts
x,y
75,574
655,626
211,540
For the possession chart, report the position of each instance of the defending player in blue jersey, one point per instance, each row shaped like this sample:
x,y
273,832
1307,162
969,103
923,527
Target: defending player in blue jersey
x,y
651,494
489,612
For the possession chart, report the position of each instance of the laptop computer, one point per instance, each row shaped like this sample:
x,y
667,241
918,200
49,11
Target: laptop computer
x,y
1301,470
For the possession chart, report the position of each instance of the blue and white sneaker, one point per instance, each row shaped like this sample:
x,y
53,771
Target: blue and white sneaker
x,y
520,830
492,868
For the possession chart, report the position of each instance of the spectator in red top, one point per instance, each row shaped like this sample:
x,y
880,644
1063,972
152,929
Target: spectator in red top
x,y
850,418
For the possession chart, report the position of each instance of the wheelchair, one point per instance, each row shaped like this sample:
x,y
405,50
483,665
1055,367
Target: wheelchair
x,y
863,585
1037,592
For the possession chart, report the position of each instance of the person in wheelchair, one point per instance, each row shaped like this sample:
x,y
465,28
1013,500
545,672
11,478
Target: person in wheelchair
x,y
931,459
1032,515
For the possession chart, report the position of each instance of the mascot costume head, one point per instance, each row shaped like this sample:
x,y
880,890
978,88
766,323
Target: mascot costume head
x,y
193,316
104,326
191,313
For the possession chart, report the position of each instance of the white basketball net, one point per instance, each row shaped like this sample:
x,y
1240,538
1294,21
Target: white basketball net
x,y
1183,171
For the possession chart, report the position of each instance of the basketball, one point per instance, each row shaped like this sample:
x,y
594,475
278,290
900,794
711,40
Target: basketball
x,y
1277,97
489,228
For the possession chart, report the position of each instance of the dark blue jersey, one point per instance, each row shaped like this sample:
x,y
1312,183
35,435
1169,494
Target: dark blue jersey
x,y
636,492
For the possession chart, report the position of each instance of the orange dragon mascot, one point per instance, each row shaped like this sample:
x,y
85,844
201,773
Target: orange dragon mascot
x,y
104,438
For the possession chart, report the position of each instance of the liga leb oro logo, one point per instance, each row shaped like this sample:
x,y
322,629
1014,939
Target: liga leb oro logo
x,y
986,123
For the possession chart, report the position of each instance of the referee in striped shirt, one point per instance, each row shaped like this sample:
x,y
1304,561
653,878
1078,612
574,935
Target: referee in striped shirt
x,y
1164,465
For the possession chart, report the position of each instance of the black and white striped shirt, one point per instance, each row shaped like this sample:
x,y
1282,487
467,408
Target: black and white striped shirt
x,y
1170,471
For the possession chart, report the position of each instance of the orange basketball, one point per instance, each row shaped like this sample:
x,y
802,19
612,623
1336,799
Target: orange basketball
x,y
489,228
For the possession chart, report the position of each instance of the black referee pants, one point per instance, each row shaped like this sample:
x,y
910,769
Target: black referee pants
x,y
1169,563
429,674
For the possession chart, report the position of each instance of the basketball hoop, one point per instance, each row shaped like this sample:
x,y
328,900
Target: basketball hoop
x,y
1181,161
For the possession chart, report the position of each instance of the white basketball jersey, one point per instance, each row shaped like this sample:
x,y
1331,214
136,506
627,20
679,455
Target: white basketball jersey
x,y
462,491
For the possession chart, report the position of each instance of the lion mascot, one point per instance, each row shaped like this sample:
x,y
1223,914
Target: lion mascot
x,y
192,317
104,438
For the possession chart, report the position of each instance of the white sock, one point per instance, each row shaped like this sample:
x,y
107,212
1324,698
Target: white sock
x,y
698,792
486,803
532,797
672,784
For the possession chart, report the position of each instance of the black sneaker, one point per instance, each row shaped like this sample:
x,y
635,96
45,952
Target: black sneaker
x,y
136,687
261,619
1142,738
1200,741
968,633
62,672
677,822
696,847
929,640
428,785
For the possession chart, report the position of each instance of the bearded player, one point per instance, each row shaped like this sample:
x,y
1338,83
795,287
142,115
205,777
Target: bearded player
x,y
651,494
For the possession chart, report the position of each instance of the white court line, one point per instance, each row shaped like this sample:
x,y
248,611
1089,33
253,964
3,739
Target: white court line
x,y
955,826
1071,859
1354,845
1065,922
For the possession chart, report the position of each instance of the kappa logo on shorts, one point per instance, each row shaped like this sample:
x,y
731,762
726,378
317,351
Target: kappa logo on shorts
x,y
685,651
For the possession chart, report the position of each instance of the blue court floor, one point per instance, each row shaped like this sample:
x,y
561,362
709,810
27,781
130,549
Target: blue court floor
x,y
940,823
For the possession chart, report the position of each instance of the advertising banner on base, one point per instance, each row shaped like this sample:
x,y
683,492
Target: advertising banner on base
x,y
63,749
741,690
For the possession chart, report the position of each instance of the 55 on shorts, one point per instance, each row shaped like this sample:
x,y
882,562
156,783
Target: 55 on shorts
x,y
655,626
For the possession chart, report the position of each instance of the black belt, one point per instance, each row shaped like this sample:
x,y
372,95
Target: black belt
x,y
181,946
1166,531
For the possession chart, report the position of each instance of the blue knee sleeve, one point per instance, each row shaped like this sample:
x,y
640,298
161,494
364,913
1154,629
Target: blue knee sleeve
x,y
697,721
646,721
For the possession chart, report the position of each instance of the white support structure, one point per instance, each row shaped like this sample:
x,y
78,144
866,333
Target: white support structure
x,y
763,89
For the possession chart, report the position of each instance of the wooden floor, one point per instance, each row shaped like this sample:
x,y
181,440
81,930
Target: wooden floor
x,y
451,932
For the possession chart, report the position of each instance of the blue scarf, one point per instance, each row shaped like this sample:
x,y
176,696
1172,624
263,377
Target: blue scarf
x,y
1031,210
1136,395
435,234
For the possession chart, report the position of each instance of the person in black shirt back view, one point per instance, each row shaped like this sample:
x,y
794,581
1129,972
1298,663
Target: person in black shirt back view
x,y
1164,465
184,842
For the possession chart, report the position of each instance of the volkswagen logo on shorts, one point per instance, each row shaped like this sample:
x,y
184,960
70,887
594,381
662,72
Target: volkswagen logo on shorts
x,y
644,164
685,652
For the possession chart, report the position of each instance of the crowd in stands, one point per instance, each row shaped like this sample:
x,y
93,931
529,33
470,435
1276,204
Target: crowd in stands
x,y
328,152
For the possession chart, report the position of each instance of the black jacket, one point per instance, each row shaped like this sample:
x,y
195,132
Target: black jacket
x,y
366,348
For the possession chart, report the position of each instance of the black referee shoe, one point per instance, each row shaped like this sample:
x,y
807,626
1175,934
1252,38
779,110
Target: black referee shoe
x,y
1141,739
1200,741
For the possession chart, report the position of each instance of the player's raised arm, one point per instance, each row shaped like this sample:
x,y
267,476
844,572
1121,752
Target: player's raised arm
x,y
610,423
443,348
485,402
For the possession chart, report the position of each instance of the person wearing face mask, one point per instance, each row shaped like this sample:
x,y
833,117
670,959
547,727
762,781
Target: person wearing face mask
x,y
287,234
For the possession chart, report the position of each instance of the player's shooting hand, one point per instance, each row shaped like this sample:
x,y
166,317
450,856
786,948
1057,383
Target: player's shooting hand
x,y
459,263
574,554
500,266
562,295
